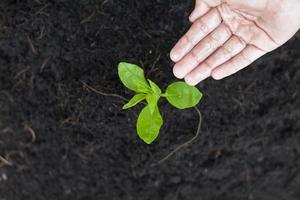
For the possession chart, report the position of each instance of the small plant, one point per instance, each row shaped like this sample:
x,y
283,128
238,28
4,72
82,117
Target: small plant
x,y
178,94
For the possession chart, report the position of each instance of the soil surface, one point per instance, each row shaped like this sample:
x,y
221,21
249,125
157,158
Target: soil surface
x,y
62,141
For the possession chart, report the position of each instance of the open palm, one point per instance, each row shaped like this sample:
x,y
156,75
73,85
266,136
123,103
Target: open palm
x,y
228,35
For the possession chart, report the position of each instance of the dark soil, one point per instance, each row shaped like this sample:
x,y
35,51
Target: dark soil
x,y
86,146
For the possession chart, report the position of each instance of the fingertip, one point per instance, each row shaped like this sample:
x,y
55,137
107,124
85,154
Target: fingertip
x,y
190,80
217,74
177,73
174,56
192,17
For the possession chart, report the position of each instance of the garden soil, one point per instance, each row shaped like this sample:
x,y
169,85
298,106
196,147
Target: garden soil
x,y
59,140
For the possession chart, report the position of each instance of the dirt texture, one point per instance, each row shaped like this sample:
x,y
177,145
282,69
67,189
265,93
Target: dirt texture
x,y
59,140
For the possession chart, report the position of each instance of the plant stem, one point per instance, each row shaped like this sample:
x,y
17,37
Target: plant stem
x,y
184,144
167,95
103,93
4,161
106,94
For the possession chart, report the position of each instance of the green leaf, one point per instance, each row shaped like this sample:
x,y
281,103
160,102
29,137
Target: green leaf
x,y
154,87
134,100
152,100
182,95
153,97
132,76
149,124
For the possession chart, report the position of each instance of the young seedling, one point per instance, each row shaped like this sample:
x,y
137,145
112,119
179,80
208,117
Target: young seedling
x,y
178,94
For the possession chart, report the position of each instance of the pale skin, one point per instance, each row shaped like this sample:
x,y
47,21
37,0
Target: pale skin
x,y
228,35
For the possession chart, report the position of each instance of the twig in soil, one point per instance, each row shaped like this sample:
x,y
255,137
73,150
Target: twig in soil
x,y
8,96
153,69
31,132
38,1
43,8
103,93
88,19
42,33
4,161
44,64
34,51
21,72
184,144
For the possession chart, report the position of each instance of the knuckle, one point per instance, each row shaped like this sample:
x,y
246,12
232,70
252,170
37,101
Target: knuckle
x,y
247,58
213,42
194,55
202,26
240,42
188,40
245,33
207,66
226,51
226,29
214,37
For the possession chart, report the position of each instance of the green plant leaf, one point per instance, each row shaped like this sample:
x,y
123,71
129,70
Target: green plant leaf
x,y
154,87
182,95
134,100
149,124
152,100
132,76
153,97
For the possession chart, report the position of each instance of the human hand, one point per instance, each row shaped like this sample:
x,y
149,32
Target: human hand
x,y
228,35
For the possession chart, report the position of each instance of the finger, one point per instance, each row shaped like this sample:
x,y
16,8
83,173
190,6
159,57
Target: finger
x,y
231,48
200,28
240,61
201,8
204,49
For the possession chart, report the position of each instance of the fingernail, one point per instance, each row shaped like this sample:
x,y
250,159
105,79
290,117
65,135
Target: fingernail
x,y
174,56
177,73
190,81
216,75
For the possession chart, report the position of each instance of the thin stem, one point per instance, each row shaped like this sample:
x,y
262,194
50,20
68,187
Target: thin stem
x,y
167,95
184,144
103,93
5,161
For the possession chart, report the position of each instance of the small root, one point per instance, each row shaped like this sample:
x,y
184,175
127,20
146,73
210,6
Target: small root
x,y
4,161
88,19
33,49
22,72
40,10
8,96
103,93
184,144
153,66
31,132
44,64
